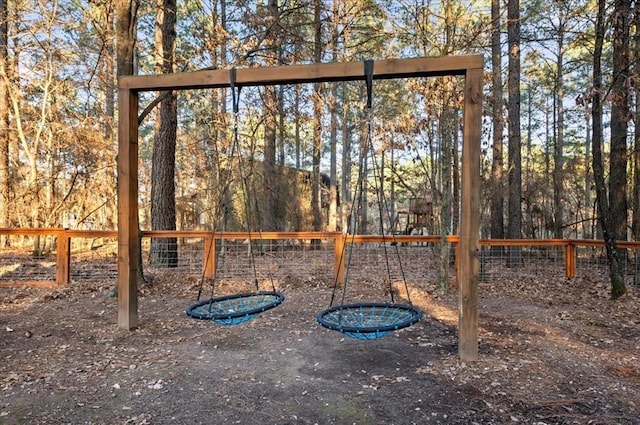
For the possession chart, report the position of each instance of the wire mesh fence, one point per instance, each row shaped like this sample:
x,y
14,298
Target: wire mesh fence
x,y
498,261
591,261
31,256
252,259
94,260
404,261
22,261
28,258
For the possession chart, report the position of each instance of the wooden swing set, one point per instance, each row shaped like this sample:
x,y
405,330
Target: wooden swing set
x,y
469,66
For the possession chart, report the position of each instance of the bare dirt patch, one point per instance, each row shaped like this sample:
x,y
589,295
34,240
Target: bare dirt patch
x,y
551,352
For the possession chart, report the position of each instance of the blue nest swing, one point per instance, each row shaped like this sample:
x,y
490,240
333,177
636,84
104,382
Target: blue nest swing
x,y
367,321
235,309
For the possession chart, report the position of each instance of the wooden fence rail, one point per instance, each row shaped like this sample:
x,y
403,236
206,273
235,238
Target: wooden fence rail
x,y
62,240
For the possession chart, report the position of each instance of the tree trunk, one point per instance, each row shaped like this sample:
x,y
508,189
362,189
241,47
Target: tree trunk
x,y
635,226
456,177
445,124
317,123
282,127
514,230
333,164
345,184
497,170
270,180
220,176
333,131
362,201
615,269
269,211
558,155
619,127
110,98
297,219
587,228
5,183
126,12
164,251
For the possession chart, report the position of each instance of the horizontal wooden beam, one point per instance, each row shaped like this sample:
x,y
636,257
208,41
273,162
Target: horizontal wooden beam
x,y
255,235
73,233
33,283
308,73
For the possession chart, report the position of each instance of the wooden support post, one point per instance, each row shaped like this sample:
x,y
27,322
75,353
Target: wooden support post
x,y
570,260
470,218
128,244
63,258
339,260
209,256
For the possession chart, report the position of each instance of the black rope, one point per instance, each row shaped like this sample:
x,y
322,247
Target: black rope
x,y
356,205
235,95
357,208
382,202
368,71
248,188
384,207
365,149
358,193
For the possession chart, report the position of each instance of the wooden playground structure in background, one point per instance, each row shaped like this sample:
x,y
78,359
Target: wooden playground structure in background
x,y
418,217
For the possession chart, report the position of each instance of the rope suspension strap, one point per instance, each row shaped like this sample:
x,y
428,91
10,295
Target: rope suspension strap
x,y
368,75
222,196
235,309
368,320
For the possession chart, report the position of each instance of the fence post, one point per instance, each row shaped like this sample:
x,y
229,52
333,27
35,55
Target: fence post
x,y
570,260
209,256
338,251
63,258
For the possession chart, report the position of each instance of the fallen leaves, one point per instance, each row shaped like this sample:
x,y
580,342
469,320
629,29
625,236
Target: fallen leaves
x,y
548,347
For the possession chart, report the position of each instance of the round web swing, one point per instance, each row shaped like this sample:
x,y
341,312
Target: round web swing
x,y
368,320
235,309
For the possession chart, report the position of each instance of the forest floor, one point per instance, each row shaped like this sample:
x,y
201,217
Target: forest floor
x,y
551,352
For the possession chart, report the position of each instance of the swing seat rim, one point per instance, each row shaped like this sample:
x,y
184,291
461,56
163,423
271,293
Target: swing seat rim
x,y
416,316
278,298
